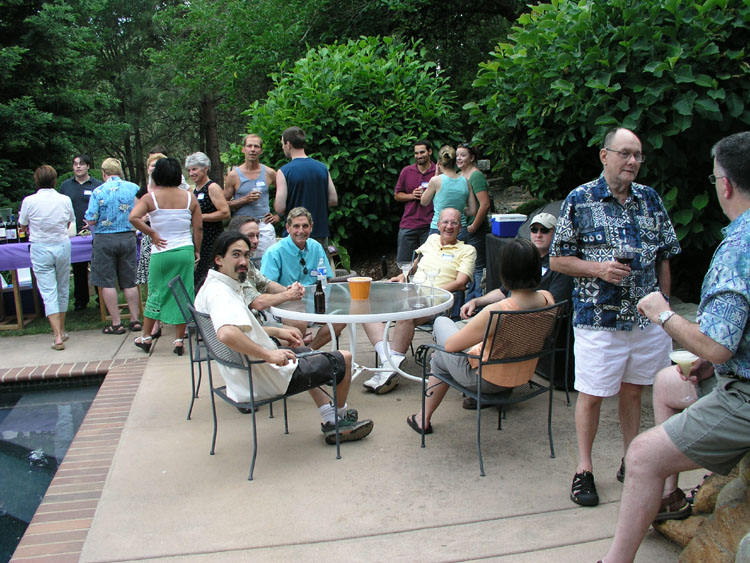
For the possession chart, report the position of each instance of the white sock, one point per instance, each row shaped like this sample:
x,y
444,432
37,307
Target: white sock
x,y
342,410
326,413
380,349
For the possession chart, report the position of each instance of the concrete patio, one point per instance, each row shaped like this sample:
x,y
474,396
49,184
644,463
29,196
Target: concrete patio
x,y
165,498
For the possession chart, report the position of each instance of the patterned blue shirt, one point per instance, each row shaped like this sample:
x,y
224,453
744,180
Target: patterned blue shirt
x,y
110,206
725,298
592,224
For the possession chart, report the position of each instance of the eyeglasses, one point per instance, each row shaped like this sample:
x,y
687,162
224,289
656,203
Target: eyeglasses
x,y
304,266
625,155
535,230
712,178
450,223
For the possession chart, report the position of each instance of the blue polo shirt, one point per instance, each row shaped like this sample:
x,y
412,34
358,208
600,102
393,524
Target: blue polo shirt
x,y
285,263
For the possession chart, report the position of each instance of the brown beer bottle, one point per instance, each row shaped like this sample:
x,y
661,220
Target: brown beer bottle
x,y
319,297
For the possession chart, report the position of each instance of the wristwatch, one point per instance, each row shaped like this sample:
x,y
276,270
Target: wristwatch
x,y
664,316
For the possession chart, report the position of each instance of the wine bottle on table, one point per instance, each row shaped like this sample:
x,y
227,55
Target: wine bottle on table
x,y
2,231
11,230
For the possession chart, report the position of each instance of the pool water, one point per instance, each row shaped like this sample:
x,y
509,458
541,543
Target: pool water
x,y
37,425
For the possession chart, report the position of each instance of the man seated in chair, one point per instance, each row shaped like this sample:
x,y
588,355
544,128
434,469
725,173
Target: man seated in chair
x,y
283,371
295,259
542,231
454,262
521,273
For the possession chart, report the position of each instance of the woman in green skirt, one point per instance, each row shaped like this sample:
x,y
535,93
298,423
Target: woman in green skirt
x,y
176,233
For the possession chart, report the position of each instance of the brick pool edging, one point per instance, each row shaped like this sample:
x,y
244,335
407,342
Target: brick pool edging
x,y
61,523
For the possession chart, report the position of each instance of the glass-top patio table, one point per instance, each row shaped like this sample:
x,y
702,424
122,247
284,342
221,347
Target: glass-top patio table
x,y
388,302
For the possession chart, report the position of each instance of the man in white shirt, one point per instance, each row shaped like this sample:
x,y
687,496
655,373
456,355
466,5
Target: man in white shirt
x,y
283,371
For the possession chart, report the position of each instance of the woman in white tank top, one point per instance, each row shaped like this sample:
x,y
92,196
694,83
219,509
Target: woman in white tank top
x,y
176,232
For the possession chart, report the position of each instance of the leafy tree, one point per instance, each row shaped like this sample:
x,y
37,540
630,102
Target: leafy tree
x,y
49,100
674,72
362,104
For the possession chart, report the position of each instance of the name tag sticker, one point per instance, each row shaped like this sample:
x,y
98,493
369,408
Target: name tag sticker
x,y
86,192
424,184
260,184
200,196
447,257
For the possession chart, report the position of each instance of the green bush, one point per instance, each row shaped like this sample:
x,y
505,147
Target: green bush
x,y
675,72
362,105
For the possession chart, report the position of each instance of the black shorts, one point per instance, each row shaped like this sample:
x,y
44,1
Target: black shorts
x,y
316,370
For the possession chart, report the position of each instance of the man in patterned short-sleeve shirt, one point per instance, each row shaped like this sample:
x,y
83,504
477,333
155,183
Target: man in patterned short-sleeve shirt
x,y
714,432
617,350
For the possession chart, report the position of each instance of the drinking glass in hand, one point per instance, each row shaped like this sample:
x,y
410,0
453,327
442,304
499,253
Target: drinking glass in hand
x,y
624,254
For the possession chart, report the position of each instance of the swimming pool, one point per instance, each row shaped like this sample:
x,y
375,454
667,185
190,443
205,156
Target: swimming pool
x,y
37,424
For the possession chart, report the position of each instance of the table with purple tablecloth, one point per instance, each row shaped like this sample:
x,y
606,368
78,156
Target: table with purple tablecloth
x,y
17,256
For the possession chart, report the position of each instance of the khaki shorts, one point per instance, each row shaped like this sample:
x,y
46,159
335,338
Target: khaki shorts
x,y
607,358
714,431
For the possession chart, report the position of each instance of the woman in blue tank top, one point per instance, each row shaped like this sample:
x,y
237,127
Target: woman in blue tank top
x,y
449,189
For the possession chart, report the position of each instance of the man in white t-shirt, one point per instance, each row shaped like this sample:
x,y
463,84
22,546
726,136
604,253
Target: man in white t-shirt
x,y
283,371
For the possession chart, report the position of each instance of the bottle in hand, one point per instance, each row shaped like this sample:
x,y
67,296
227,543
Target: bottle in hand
x,y
319,297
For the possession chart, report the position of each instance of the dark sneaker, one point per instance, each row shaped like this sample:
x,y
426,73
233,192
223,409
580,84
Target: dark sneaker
x,y
621,471
351,414
674,507
583,491
349,430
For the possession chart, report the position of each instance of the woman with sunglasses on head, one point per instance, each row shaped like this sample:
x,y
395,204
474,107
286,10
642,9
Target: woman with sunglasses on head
x,y
542,231
466,157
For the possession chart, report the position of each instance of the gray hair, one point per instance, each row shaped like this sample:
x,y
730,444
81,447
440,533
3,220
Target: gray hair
x,y
198,159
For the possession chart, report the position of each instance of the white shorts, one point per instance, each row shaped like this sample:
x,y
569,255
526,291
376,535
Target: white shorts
x,y
606,358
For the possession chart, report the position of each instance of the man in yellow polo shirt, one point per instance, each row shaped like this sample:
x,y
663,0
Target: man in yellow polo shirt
x,y
454,263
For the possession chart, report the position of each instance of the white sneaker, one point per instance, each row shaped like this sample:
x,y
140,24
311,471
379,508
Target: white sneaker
x,y
382,382
398,360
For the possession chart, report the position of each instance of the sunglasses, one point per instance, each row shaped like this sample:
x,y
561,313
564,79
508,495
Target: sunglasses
x,y
535,230
304,266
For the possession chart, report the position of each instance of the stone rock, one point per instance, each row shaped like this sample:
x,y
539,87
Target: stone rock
x,y
680,531
718,538
705,498
743,550
733,493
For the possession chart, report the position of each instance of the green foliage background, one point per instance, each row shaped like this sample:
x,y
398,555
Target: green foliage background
x,y
674,72
362,104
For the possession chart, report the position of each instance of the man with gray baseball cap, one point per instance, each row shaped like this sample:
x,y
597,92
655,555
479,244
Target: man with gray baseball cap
x,y
542,230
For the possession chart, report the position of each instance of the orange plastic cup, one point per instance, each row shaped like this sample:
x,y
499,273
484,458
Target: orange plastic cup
x,y
359,287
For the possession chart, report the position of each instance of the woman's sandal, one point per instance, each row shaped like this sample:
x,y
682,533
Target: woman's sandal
x,y
156,334
143,342
58,346
114,329
178,349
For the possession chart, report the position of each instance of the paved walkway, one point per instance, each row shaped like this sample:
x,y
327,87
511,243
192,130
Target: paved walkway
x,y
165,498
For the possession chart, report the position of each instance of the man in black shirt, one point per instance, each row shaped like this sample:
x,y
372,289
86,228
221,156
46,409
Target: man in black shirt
x,y
78,189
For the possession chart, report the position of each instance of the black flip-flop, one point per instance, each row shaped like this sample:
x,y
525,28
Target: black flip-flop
x,y
412,422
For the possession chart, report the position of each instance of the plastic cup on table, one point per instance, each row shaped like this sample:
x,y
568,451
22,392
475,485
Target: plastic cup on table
x,y
359,287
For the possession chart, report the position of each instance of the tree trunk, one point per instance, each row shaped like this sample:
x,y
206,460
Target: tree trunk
x,y
140,168
210,129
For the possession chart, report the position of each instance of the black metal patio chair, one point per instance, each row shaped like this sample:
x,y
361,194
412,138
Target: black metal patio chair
x,y
195,347
222,354
511,336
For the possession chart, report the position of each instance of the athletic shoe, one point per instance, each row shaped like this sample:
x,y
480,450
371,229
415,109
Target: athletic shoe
x,y
621,471
349,430
674,507
382,382
583,490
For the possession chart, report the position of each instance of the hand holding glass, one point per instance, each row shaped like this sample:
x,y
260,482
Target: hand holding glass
x,y
685,360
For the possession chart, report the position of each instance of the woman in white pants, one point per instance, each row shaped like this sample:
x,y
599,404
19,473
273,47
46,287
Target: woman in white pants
x,y
46,216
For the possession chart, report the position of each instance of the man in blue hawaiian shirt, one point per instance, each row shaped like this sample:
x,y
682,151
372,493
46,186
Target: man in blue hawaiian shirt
x,y
113,254
617,350
715,431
